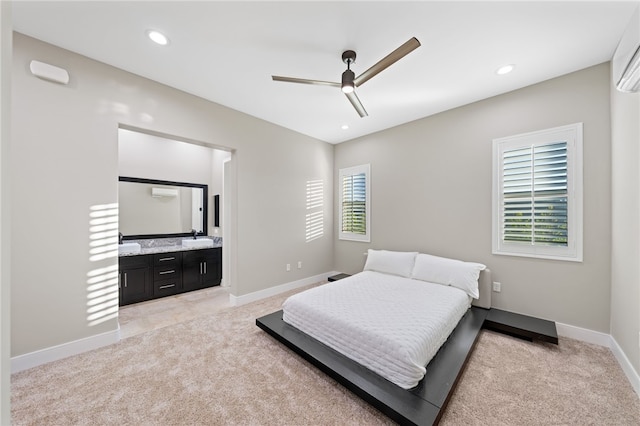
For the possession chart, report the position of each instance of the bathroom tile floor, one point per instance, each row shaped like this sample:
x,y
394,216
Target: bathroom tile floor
x,y
153,314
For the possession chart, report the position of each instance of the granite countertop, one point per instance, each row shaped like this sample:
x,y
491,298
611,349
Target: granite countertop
x,y
167,245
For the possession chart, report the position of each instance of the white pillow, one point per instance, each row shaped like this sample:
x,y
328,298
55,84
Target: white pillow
x,y
456,273
391,262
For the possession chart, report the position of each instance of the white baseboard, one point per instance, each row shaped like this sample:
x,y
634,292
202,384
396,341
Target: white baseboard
x,y
624,362
54,353
602,339
273,291
584,335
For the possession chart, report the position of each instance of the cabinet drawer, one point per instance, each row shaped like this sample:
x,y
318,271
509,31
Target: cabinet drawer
x,y
134,261
165,288
167,259
161,273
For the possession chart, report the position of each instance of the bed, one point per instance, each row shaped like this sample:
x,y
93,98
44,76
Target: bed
x,y
375,331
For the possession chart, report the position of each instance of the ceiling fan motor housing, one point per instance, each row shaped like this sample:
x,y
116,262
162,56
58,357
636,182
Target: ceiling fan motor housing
x,y
348,57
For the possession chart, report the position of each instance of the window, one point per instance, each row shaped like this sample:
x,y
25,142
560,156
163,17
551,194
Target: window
x,y
537,194
354,204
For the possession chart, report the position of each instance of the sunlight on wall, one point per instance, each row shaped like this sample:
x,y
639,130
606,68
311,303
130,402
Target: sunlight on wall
x,y
315,211
102,282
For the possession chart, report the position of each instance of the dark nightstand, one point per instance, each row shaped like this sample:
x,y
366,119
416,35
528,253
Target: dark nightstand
x,y
337,277
522,326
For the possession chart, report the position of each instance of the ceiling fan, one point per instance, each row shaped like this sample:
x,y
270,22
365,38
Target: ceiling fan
x,y
350,81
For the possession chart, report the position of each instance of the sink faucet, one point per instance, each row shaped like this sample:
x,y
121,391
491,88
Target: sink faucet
x,y
194,232
120,237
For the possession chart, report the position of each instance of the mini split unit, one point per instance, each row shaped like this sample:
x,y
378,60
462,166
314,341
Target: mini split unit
x,y
626,59
163,192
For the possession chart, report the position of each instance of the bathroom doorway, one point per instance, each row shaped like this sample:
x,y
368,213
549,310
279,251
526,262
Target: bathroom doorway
x,y
148,155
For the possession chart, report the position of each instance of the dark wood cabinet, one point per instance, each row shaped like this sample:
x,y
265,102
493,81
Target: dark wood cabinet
x,y
167,274
201,268
150,276
134,279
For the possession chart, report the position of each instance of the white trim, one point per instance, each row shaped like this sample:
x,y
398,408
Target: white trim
x,y
628,369
572,134
350,171
54,353
584,335
273,291
606,340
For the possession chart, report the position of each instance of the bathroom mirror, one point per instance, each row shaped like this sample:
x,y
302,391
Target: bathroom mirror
x,y
151,208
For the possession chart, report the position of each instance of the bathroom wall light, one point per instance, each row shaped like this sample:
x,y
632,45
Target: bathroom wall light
x,y
158,37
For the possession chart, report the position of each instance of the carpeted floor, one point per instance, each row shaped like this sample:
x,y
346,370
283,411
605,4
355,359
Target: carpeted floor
x,y
223,370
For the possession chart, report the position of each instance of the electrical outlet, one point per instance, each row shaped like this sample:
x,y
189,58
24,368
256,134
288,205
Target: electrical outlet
x,y
497,287
299,264
288,267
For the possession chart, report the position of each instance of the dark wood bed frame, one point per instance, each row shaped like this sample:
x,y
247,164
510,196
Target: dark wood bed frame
x,y
422,405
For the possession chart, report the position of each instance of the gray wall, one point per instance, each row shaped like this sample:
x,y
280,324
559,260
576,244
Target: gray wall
x,y
625,249
65,160
5,203
431,192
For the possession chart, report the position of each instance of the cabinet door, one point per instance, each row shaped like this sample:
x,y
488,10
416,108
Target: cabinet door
x,y
201,268
212,268
134,279
191,270
134,284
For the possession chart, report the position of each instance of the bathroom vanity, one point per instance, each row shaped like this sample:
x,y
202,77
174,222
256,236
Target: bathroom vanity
x,y
159,253
167,270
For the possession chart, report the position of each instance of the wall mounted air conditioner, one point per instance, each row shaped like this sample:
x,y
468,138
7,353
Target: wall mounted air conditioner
x,y
626,59
163,192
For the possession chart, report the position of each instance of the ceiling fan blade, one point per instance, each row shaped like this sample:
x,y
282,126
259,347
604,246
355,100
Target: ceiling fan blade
x,y
353,98
304,81
387,61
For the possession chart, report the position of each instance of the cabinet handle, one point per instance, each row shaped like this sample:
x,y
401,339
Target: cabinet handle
x,y
162,287
125,280
205,267
119,280
200,268
167,272
164,259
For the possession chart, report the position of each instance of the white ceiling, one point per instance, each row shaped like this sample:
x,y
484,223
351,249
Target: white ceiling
x,y
226,52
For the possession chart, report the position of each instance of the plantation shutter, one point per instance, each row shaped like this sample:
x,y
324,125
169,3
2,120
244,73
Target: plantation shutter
x,y
354,199
535,195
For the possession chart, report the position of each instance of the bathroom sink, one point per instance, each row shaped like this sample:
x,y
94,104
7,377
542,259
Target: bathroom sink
x,y
199,243
128,248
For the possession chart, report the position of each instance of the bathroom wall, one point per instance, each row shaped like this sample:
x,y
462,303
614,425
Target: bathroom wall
x,y
153,157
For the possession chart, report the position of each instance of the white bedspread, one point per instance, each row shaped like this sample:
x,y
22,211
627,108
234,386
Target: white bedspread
x,y
389,324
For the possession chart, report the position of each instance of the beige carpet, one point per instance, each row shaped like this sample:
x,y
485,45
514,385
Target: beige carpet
x,y
223,370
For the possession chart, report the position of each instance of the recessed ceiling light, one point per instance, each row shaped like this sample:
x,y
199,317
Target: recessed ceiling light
x,y
158,37
506,69
344,127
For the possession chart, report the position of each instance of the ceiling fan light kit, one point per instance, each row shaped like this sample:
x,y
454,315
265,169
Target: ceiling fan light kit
x,y
349,81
